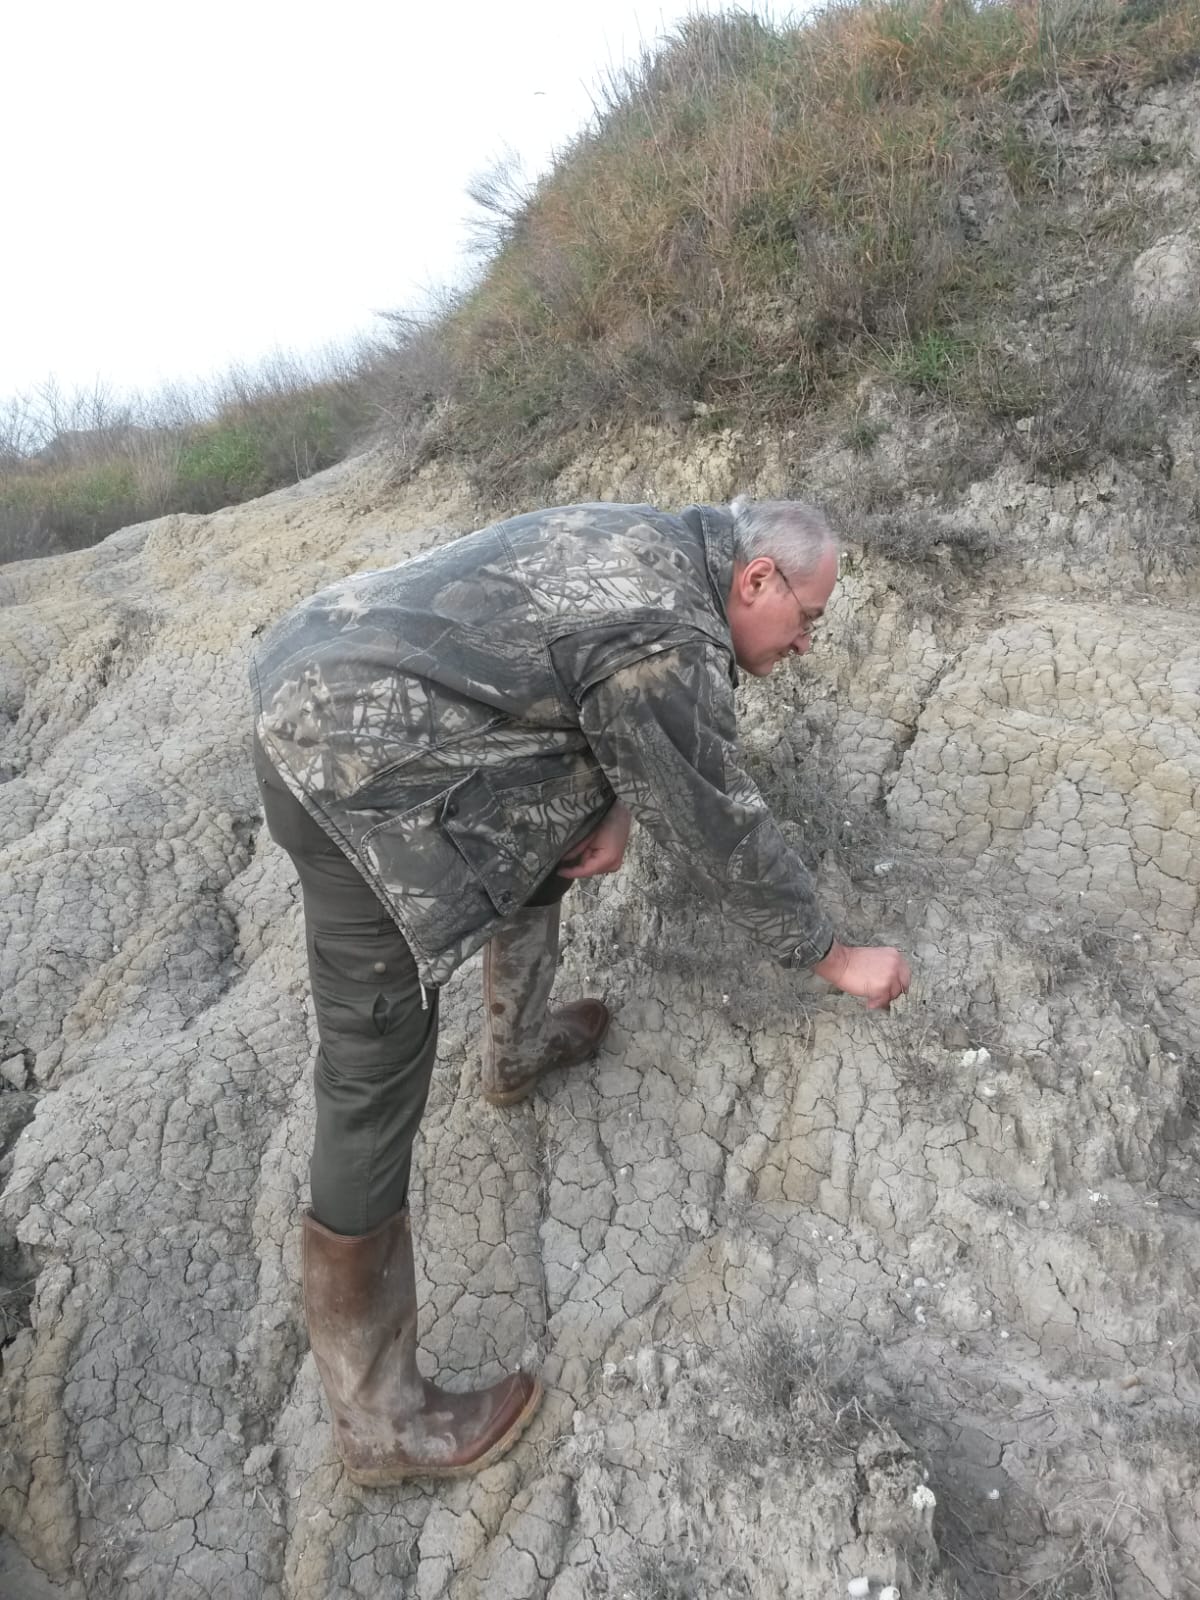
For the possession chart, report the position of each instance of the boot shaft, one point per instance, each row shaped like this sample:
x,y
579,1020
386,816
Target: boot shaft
x,y
389,1423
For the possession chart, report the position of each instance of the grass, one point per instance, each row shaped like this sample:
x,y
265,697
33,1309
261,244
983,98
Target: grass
x,y
932,364
757,212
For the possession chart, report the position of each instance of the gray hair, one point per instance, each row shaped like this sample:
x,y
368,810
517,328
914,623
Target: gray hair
x,y
793,533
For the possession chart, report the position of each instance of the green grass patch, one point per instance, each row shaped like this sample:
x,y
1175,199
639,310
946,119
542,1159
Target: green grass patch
x,y
935,363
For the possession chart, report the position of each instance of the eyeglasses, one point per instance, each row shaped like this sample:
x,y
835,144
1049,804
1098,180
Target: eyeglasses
x,y
810,622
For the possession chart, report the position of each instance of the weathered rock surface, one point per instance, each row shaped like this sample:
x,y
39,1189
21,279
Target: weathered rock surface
x,y
816,1294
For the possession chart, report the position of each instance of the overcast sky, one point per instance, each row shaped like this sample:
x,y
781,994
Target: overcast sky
x,y
192,184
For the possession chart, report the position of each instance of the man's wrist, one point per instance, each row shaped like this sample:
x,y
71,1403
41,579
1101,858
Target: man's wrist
x,y
832,965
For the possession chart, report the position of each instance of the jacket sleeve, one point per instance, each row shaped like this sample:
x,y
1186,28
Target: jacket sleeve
x,y
664,730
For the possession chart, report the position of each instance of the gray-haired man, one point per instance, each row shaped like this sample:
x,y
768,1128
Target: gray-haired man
x,y
444,745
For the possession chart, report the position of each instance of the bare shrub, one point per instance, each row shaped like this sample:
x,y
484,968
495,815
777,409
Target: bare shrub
x,y
783,1391
1086,1572
928,1036
671,1574
1096,397
909,539
820,803
155,456
502,194
1072,943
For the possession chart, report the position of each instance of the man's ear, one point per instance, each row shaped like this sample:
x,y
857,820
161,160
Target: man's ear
x,y
754,577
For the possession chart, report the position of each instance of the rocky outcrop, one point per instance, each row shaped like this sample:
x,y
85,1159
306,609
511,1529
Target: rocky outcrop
x,y
817,1295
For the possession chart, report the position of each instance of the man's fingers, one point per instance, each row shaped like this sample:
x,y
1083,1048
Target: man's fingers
x,y
589,865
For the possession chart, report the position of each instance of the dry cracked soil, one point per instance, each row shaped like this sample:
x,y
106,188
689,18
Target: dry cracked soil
x,y
817,1295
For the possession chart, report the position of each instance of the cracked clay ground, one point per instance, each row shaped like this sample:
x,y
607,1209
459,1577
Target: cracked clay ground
x,y
815,1294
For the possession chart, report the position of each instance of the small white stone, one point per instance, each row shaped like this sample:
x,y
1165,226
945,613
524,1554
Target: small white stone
x,y
857,1587
1043,1205
890,1593
993,1494
920,1283
13,1071
923,1498
1004,1333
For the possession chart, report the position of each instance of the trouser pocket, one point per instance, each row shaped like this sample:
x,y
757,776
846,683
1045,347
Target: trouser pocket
x,y
367,997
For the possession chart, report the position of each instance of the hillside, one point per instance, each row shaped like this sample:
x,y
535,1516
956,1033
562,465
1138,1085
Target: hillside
x,y
817,1295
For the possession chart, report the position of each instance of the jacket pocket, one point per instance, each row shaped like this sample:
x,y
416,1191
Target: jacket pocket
x,y
441,898
478,826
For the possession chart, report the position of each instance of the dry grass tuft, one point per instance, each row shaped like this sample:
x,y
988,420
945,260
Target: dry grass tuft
x,y
670,1574
788,1392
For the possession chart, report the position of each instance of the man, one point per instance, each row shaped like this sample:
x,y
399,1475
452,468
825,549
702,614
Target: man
x,y
443,746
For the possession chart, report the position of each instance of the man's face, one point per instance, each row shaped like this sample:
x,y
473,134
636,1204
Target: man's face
x,y
772,614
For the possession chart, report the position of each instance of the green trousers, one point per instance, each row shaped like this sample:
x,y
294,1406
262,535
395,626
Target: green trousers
x,y
376,1040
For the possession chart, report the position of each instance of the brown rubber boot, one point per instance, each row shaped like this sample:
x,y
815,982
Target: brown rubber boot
x,y
389,1423
521,1037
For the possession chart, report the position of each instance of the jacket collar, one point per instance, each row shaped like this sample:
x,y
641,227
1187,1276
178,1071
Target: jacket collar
x,y
715,527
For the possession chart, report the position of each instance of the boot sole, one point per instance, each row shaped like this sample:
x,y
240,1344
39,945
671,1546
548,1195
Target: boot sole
x,y
372,1477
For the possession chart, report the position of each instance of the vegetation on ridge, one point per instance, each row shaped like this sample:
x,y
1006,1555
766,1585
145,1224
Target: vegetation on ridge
x,y
75,467
758,217
761,213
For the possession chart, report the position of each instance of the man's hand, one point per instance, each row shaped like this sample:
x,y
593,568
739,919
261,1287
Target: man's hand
x,y
602,851
877,974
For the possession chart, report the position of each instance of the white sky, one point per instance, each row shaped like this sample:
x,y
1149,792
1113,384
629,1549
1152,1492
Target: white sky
x,y
190,184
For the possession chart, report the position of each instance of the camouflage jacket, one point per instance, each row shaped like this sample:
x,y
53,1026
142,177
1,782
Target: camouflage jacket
x,y
458,723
